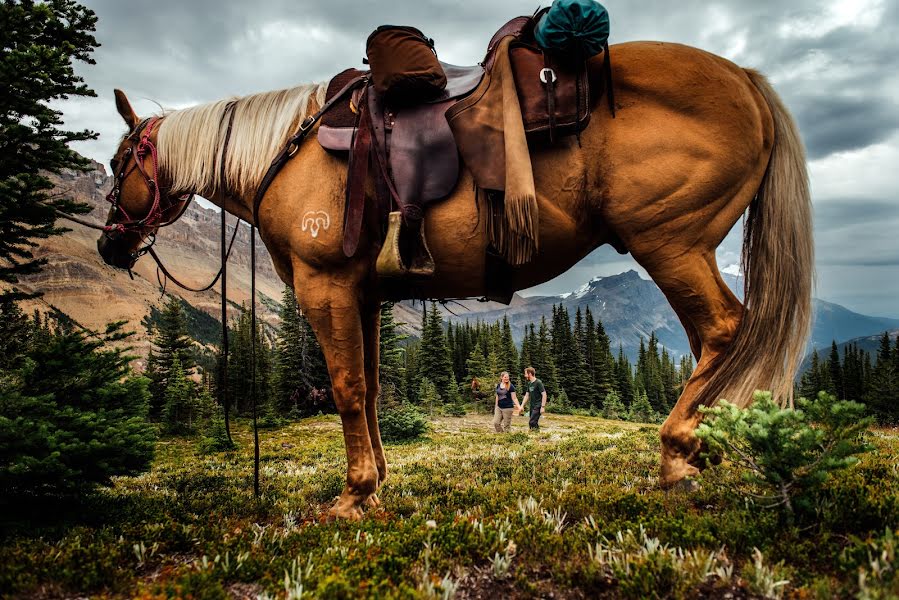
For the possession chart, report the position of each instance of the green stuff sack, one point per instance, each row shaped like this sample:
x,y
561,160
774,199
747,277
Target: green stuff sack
x,y
579,28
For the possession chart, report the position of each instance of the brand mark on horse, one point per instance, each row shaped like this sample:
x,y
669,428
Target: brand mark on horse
x,y
314,220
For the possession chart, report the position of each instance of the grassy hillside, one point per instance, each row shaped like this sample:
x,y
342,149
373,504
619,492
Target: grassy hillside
x,y
572,512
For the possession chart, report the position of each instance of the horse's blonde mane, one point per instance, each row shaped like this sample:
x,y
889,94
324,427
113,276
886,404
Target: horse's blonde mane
x,y
191,141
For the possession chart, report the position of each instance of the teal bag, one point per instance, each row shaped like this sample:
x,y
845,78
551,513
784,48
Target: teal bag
x,y
574,27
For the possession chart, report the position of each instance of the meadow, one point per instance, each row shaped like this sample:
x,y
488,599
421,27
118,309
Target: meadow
x,y
573,511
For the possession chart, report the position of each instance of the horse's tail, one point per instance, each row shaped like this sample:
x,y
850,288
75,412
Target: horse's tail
x,y
778,266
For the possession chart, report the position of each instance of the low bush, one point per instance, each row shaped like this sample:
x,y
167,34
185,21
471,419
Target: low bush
x,y
788,454
402,423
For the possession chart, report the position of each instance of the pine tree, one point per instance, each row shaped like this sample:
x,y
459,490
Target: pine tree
x,y
476,367
836,373
508,351
72,414
811,382
40,41
641,410
545,361
434,360
428,396
604,368
170,342
179,411
882,397
612,407
392,355
624,378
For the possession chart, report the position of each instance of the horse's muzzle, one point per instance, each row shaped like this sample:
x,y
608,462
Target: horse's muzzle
x,y
113,254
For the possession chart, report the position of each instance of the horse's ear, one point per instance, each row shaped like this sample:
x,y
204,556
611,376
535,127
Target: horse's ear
x,y
124,108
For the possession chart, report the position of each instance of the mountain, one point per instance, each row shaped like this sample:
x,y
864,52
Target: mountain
x,y
77,282
631,307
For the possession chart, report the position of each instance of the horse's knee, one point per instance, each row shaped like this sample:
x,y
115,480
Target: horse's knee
x,y
349,394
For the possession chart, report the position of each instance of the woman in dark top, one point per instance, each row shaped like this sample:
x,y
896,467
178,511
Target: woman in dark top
x,y
506,402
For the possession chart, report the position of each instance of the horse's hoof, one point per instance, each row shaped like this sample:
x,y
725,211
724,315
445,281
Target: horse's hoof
x,y
346,509
686,486
353,513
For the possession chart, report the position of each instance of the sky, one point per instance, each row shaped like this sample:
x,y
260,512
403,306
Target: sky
x,y
834,62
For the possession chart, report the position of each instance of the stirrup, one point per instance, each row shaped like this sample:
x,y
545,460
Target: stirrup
x,y
390,260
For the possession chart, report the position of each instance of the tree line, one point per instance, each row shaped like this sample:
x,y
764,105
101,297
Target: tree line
x,y
853,375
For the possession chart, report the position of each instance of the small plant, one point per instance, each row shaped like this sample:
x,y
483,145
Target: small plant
x,y
402,423
788,453
762,579
215,438
454,409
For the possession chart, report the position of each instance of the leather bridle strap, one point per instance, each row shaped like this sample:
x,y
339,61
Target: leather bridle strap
x,y
293,145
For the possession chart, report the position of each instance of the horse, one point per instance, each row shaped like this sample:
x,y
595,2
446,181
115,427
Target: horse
x,y
696,143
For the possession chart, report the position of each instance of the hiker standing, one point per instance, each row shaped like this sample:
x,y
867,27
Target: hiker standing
x,y
506,401
536,393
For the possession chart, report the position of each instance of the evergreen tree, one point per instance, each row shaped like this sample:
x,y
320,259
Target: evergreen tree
x,y
429,396
508,352
612,407
179,411
240,364
40,41
16,334
604,363
812,380
412,380
882,397
545,361
392,354
170,343
836,373
641,410
476,366
624,378
434,361
72,414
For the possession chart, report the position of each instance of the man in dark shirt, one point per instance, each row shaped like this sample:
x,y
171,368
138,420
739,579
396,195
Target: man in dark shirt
x,y
536,393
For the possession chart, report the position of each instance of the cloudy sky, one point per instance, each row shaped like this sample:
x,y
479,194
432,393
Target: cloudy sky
x,y
833,61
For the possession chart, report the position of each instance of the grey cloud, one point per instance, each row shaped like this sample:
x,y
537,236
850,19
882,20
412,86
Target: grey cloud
x,y
840,84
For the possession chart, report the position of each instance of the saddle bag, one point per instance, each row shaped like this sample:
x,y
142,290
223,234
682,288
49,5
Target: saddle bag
x,y
404,65
552,90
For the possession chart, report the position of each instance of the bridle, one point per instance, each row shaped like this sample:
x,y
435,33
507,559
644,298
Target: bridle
x,y
132,160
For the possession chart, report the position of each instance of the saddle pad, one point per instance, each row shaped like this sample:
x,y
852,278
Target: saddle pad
x,y
340,115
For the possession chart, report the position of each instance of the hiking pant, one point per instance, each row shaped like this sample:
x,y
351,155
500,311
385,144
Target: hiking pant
x,y
535,416
502,419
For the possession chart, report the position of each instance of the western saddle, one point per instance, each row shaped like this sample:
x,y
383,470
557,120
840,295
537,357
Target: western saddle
x,y
412,155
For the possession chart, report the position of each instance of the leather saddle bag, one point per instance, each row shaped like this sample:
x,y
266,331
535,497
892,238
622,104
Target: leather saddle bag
x,y
552,90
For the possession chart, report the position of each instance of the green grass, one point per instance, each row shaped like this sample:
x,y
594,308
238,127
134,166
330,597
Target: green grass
x,y
573,511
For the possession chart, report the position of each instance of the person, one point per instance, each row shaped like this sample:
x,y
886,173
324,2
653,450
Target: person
x,y
536,393
506,401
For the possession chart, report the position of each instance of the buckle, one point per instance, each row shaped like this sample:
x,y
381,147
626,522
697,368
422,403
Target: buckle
x,y
307,124
547,71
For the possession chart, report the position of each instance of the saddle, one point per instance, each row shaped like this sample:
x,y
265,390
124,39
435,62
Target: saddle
x,y
411,152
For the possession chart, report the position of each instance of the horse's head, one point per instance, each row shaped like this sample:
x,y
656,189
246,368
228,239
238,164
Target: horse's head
x,y
140,198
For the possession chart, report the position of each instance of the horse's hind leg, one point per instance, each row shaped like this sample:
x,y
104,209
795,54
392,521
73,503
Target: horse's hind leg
x,y
371,324
695,289
332,306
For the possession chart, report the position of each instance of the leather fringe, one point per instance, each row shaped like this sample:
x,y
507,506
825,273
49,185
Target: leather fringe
x,y
512,226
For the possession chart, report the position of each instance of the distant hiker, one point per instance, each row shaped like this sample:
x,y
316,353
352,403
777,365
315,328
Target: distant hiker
x,y
536,393
506,401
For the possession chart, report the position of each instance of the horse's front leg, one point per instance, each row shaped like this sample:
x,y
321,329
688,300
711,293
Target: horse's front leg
x,y
333,309
371,330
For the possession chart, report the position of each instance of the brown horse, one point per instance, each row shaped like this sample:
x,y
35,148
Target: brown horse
x,y
696,142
